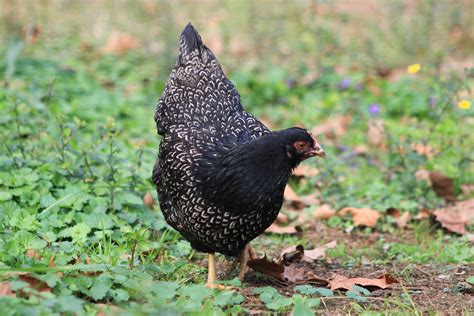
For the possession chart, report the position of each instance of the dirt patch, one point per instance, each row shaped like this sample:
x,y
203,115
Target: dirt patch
x,y
421,287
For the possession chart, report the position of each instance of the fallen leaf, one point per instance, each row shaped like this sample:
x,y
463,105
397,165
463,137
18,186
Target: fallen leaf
x,y
148,200
270,268
312,278
443,186
324,212
423,213
299,202
276,229
455,217
402,219
362,216
342,282
291,254
119,43
6,289
293,273
318,252
376,134
35,284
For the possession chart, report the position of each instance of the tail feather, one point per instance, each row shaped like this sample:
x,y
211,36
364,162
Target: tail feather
x,y
191,42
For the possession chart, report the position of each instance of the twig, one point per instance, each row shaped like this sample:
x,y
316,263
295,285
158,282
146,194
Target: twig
x,y
133,253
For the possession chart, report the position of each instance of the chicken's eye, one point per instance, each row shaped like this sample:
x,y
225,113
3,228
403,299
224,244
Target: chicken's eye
x,y
301,145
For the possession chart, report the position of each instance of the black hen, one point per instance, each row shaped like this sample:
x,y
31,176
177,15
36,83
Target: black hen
x,y
220,173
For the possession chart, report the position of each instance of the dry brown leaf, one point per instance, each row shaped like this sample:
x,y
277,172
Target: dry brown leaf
x,y
119,43
293,273
443,186
6,289
291,254
305,171
299,202
270,268
362,216
105,309
318,252
455,217
402,219
333,127
275,229
148,200
342,282
35,284
424,213
324,212
376,134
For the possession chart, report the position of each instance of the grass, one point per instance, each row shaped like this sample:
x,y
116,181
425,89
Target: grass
x,y
78,143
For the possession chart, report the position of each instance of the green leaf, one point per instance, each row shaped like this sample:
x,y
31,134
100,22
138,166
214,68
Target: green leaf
x,y
166,290
70,303
470,280
5,196
360,289
301,308
225,298
356,296
324,292
305,289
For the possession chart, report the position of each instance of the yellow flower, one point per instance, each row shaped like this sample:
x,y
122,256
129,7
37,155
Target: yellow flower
x,y
413,69
464,104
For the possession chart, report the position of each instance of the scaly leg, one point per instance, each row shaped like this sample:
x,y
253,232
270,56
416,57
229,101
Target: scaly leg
x,y
246,255
212,276
211,272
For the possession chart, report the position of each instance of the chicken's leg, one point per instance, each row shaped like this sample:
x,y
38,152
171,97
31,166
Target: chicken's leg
x,y
211,272
212,276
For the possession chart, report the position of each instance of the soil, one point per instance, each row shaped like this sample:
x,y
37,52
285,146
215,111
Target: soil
x,y
422,288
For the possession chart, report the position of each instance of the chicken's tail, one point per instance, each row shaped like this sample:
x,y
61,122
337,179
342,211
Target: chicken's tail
x,y
191,46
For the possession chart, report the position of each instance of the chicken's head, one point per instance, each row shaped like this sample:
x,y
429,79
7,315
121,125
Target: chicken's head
x,y
302,145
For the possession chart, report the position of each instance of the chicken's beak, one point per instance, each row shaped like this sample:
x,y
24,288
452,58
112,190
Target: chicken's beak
x,y
316,151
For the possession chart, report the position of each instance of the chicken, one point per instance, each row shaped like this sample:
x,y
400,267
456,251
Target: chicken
x,y
220,173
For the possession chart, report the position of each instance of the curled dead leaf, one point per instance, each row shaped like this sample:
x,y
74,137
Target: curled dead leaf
x,y
423,213
35,284
324,212
361,216
267,267
401,219
443,186
342,282
455,217
276,229
299,202
282,218
319,252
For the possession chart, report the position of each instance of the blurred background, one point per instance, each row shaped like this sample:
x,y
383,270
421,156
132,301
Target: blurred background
x,y
386,86
299,36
